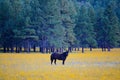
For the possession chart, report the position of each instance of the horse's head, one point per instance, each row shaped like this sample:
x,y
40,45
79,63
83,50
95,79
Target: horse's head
x,y
66,53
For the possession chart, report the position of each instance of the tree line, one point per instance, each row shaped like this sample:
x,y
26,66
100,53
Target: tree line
x,y
54,25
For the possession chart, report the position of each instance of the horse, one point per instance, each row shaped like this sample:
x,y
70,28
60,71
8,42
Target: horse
x,y
57,56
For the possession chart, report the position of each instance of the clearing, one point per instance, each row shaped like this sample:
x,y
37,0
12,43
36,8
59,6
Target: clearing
x,y
95,65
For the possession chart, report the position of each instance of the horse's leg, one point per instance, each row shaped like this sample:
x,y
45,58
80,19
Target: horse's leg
x,y
51,61
55,61
63,62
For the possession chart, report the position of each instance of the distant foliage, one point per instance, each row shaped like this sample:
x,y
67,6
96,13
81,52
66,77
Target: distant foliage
x,y
54,25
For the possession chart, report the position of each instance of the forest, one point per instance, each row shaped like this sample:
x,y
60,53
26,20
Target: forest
x,y
54,25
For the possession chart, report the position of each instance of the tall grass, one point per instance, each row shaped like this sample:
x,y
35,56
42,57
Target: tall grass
x,y
95,65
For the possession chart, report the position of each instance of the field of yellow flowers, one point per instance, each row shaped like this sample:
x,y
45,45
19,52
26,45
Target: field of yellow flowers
x,y
95,65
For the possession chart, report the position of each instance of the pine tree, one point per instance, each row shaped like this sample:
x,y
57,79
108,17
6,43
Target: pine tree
x,y
118,15
99,28
85,27
37,20
68,13
111,26
29,30
92,40
107,27
56,30
6,24
18,21
24,32
50,30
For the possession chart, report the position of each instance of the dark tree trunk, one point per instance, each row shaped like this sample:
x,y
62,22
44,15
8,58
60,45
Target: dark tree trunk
x,y
34,48
4,49
20,49
8,49
104,46
75,49
82,49
70,49
102,49
12,49
57,50
78,49
52,49
17,49
42,50
25,50
29,50
28,46
39,49
90,48
108,48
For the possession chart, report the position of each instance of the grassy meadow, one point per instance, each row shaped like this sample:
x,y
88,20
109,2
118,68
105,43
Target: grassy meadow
x,y
95,65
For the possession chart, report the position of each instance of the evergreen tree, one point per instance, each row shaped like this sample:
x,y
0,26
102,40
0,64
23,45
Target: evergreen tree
x,y
50,30
92,40
55,29
6,24
29,30
99,28
108,28
85,28
24,32
18,22
68,13
111,25
37,20
118,15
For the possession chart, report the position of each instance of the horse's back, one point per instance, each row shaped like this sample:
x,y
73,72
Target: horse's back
x,y
55,56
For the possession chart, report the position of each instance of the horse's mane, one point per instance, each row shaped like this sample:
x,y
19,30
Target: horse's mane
x,y
65,53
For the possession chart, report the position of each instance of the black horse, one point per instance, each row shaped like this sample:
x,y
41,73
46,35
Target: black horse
x,y
57,56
